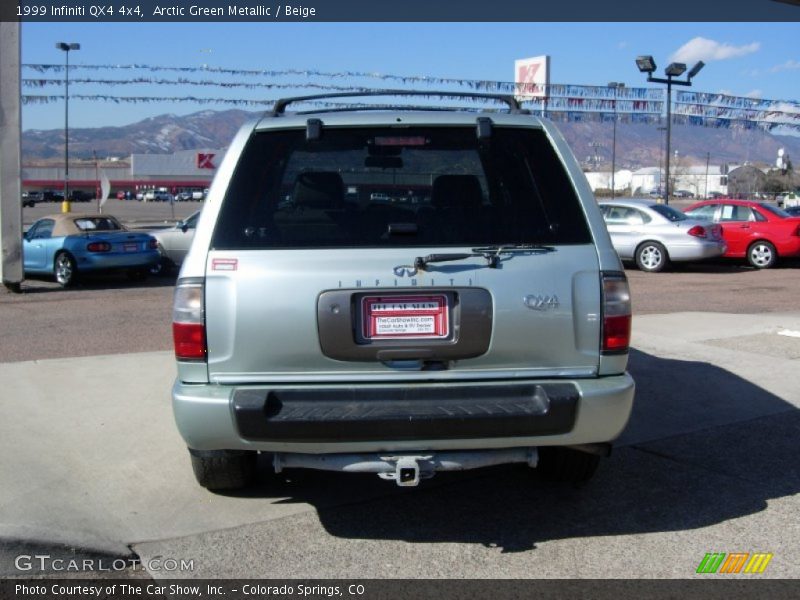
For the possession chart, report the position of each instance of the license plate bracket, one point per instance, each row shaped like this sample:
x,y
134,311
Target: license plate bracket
x,y
405,317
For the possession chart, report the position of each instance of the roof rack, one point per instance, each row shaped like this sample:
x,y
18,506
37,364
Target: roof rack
x,y
376,107
514,106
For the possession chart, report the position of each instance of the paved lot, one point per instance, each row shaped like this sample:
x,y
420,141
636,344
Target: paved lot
x,y
708,463
91,458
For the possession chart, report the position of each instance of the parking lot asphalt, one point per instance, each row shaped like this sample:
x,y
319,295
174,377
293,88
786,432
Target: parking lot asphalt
x,y
708,463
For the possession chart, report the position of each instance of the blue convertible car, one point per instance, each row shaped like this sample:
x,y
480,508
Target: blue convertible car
x,y
66,245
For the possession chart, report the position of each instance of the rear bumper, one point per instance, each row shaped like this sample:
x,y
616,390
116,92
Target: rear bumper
x,y
699,250
371,418
107,262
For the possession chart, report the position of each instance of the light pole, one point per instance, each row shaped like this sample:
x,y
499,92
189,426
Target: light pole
x,y
615,86
661,149
646,64
66,48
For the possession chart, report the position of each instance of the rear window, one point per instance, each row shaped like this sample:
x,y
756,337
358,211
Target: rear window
x,y
97,224
668,212
778,212
374,187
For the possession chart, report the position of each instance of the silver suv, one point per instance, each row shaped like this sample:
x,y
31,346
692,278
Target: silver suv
x,y
400,291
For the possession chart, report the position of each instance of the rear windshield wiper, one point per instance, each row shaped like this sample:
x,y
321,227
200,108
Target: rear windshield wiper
x,y
490,253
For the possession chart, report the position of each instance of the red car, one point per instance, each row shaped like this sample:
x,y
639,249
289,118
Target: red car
x,y
757,231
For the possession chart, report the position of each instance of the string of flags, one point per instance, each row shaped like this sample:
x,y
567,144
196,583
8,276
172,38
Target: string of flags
x,y
561,102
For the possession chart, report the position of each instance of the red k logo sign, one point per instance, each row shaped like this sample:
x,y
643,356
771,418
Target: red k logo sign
x,y
204,161
526,75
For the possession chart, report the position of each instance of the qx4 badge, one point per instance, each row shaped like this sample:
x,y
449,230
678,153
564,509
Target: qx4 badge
x,y
535,302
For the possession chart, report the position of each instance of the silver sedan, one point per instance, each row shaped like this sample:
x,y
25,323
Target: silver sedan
x,y
655,234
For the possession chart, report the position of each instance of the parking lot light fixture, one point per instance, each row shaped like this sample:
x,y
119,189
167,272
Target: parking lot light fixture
x,y
675,69
65,47
646,64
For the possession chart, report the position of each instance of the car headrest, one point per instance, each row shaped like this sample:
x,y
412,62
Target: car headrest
x,y
461,191
320,190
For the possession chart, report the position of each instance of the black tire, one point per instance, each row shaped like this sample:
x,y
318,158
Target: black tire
x,y
65,270
565,464
162,268
762,255
224,469
138,274
652,257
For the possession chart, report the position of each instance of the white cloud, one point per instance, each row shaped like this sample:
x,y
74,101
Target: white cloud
x,y
787,66
706,50
622,45
754,94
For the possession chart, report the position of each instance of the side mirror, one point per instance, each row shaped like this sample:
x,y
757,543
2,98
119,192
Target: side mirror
x,y
183,227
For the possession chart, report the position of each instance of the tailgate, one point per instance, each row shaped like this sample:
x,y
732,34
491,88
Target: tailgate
x,y
367,315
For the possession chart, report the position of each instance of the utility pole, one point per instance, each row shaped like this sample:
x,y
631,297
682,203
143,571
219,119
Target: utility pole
x,y
708,159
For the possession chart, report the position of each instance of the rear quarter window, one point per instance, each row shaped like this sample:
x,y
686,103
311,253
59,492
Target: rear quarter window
x,y
375,187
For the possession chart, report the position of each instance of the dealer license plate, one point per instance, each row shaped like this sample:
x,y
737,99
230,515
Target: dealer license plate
x,y
405,317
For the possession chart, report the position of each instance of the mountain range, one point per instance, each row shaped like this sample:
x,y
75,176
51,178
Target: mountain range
x,y
637,145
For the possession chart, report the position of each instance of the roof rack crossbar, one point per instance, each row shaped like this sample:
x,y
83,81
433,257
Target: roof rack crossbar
x,y
513,104
409,107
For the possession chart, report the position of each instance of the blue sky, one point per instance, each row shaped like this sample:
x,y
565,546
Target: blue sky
x,y
757,59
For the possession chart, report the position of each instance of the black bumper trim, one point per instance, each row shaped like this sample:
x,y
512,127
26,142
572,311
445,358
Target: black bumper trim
x,y
358,413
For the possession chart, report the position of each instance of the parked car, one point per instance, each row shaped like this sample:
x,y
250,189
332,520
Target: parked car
x,y
489,324
793,211
173,244
756,231
158,196
31,199
183,196
69,244
683,194
653,235
52,196
80,196
788,199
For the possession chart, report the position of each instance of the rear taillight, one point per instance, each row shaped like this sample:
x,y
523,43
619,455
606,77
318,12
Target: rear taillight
x,y
188,322
616,313
98,247
698,231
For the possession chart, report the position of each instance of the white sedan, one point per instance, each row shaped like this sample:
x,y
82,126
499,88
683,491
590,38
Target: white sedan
x,y
174,243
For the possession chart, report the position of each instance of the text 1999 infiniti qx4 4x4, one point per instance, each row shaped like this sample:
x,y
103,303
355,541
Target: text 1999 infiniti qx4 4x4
x,y
400,290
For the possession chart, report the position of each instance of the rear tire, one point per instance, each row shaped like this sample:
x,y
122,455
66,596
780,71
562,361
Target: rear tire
x,y
138,274
64,269
652,257
163,267
762,255
565,464
224,469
